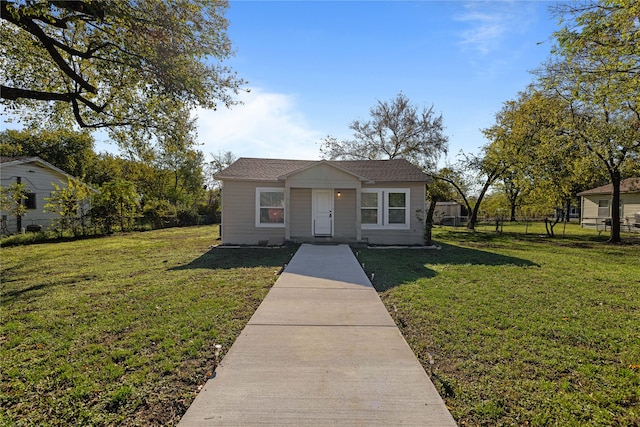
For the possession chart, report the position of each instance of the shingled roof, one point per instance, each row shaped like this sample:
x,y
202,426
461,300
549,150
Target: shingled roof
x,y
629,185
252,169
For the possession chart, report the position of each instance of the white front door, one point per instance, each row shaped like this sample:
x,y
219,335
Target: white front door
x,y
322,212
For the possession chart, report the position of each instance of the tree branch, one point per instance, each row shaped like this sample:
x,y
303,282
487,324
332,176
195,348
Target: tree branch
x,y
13,93
48,43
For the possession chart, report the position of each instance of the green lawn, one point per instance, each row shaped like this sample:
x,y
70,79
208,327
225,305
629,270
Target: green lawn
x,y
520,329
121,330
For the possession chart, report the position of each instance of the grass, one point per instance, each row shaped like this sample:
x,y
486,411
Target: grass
x,y
120,330
514,329
519,329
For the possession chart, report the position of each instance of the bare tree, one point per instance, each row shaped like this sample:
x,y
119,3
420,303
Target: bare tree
x,y
397,130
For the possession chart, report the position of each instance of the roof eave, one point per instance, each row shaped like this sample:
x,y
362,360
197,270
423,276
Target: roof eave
x,y
48,166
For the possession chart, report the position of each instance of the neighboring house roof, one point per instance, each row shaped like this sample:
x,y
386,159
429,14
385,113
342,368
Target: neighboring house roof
x,y
7,159
11,161
629,185
252,169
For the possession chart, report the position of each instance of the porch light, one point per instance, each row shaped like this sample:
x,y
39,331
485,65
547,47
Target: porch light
x,y
339,194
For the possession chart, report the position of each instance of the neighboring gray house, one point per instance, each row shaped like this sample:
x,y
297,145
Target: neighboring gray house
x,y
37,176
270,201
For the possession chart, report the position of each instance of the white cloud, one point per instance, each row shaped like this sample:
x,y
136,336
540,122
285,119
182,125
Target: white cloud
x,y
490,23
484,32
266,125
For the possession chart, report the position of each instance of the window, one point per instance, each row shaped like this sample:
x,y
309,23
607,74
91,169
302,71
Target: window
x,y
397,208
603,208
369,208
384,208
30,200
269,207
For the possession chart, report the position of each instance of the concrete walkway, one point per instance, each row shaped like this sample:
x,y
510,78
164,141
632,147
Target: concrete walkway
x,y
320,350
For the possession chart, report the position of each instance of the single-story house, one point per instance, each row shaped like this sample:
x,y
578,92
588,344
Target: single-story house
x,y
37,176
270,201
596,205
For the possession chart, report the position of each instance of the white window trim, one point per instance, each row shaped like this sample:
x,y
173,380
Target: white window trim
x,y
378,224
257,208
407,199
383,209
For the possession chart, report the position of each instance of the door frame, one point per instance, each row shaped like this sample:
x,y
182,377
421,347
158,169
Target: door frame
x,y
314,193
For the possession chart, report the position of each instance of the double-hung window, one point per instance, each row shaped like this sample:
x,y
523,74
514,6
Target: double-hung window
x,y
385,208
370,208
269,207
396,208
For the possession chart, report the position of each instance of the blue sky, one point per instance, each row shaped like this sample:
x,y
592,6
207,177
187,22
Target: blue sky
x,y
314,66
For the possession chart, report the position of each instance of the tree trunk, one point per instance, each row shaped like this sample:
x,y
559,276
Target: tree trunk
x,y
549,224
471,223
513,203
567,212
428,222
615,208
121,215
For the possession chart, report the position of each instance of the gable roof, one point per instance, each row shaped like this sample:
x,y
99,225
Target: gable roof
x,y
14,161
11,161
252,169
629,185
334,165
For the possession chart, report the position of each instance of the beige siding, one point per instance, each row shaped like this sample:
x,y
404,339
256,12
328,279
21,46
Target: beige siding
x,y
36,179
415,234
630,203
322,176
344,224
344,216
239,215
589,209
300,218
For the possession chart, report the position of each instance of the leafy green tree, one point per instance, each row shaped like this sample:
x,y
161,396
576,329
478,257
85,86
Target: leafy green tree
x,y
116,203
159,213
514,138
68,150
182,173
496,204
107,167
545,162
71,203
515,186
133,67
595,72
397,129
12,201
